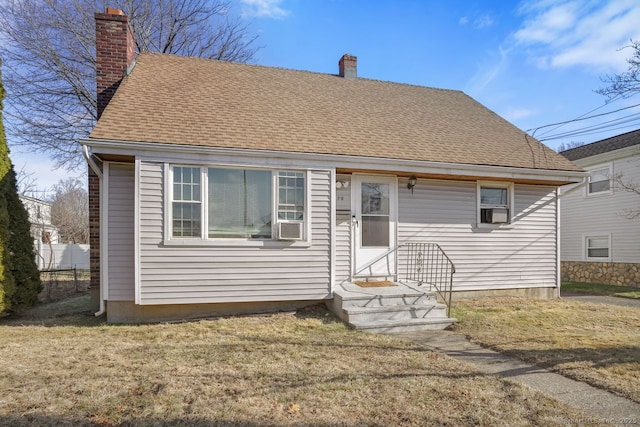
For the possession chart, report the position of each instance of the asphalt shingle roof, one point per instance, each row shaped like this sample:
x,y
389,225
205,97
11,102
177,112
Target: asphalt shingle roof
x,y
603,146
181,100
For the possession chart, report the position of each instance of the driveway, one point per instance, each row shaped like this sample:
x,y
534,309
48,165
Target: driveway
x,y
600,299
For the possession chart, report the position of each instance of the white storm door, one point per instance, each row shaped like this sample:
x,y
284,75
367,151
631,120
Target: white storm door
x,y
375,213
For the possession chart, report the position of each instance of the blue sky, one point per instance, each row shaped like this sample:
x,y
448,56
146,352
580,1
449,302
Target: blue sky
x,y
533,62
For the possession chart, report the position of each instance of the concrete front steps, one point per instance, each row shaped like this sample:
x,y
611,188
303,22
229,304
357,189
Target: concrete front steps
x,y
405,307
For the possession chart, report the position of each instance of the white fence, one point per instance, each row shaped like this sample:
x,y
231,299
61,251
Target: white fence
x,y
59,255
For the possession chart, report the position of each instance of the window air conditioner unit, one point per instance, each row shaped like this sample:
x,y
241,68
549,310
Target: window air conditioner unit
x,y
289,231
499,216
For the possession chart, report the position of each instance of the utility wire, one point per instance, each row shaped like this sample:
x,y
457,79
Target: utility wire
x,y
615,98
580,119
587,130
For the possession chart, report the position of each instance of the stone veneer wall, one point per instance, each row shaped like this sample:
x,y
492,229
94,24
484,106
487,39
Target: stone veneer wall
x,y
609,273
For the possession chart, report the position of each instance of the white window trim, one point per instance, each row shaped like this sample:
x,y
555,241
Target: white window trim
x,y
590,169
510,203
204,240
585,246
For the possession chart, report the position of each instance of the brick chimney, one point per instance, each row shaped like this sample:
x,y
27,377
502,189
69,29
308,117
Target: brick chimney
x,y
115,52
348,66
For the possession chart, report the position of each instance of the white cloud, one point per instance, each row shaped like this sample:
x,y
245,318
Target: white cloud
x,y
479,23
264,9
484,21
514,114
487,72
566,33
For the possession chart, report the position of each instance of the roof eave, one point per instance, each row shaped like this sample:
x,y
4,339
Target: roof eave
x,y
277,158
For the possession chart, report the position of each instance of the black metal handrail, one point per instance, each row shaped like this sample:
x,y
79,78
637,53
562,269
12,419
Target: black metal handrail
x,y
428,264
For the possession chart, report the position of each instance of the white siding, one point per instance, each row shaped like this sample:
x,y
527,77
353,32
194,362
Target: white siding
x,y
521,255
343,247
120,238
603,215
211,274
343,230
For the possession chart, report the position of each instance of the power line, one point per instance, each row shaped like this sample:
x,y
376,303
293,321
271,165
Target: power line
x,y
604,126
579,120
615,98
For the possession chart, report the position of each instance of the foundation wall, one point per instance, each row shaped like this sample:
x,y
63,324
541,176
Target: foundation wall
x,y
608,273
127,312
533,293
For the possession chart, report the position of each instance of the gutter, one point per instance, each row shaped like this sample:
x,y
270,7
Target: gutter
x,y
157,150
94,167
585,181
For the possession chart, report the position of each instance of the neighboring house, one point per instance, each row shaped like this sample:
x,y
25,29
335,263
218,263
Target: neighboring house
x,y
44,233
221,188
40,218
600,243
50,254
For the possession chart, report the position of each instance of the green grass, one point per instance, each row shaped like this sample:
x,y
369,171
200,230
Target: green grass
x,y
600,289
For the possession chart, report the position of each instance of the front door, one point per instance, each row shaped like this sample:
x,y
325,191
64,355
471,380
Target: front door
x,y
374,222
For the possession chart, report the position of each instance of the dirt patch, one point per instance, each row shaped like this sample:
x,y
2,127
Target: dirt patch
x,y
63,284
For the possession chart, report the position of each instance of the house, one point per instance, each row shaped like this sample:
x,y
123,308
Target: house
x,y
43,232
221,188
600,239
50,253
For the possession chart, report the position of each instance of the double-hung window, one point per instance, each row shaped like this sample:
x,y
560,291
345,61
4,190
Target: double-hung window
x,y
494,202
236,203
599,181
597,247
187,202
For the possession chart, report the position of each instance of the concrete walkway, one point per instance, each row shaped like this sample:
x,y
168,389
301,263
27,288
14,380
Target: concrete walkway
x,y
601,406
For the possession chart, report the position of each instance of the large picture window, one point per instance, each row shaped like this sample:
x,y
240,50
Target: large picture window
x,y
234,203
239,203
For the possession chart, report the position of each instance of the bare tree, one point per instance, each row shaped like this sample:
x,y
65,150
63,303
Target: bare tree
x,y
27,183
569,145
48,51
70,211
632,187
627,83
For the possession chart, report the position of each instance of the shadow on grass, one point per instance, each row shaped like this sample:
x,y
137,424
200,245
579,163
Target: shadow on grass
x,y
575,362
75,311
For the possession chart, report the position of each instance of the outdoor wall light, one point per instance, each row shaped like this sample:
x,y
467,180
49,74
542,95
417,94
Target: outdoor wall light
x,y
412,183
342,184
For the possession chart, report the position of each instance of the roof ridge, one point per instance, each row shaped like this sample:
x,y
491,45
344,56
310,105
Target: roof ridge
x,y
271,67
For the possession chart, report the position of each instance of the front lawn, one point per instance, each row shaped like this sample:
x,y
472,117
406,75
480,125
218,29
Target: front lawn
x,y
302,368
595,343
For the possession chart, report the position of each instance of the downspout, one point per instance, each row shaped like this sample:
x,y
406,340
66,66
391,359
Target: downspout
x,y
94,167
584,182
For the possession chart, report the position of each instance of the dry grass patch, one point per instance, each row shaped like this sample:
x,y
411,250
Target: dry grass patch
x,y
594,343
285,369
